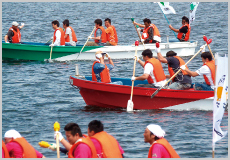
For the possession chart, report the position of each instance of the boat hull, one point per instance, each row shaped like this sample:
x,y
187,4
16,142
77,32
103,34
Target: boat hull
x,y
116,96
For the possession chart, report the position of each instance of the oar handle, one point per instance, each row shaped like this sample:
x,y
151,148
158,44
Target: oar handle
x,y
87,40
58,148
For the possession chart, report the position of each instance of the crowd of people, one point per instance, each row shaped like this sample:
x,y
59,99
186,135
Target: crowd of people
x,y
97,144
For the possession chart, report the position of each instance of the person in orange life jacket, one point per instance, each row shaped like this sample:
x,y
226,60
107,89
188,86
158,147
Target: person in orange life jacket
x,y
184,31
70,36
111,33
105,144
14,34
18,147
207,70
151,33
58,37
153,71
160,147
182,80
78,145
5,153
100,37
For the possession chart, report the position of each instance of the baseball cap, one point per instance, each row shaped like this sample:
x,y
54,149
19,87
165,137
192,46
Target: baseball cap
x,y
15,23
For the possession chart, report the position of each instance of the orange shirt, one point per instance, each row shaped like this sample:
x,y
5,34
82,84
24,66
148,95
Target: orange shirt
x,y
110,35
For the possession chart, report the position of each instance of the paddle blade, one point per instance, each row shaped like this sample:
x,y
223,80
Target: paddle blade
x,y
209,41
50,60
44,144
136,43
132,19
155,93
157,45
205,38
130,106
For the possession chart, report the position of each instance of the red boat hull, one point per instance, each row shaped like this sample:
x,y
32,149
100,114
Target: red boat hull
x,y
116,96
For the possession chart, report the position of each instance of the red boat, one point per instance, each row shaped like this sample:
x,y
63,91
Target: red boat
x,y
108,95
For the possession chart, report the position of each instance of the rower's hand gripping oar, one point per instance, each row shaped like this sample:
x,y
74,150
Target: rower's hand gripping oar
x,y
56,129
86,42
130,102
176,72
139,34
208,42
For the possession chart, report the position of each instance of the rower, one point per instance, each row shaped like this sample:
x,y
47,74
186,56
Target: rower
x,y
18,147
106,145
14,34
111,33
160,147
58,37
70,36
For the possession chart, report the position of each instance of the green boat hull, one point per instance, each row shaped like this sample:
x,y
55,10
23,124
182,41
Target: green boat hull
x,y
39,52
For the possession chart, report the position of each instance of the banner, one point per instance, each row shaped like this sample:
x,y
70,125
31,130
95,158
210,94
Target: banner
x,y
166,8
220,97
193,7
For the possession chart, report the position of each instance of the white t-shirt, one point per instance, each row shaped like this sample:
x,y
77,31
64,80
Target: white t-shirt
x,y
204,70
58,38
148,69
69,32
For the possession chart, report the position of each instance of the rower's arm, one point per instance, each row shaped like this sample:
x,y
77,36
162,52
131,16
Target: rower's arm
x,y
161,58
66,144
6,38
143,77
175,30
140,25
110,61
191,73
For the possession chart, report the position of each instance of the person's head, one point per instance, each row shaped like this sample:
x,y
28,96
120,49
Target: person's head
x,y
72,132
99,55
147,54
185,20
55,24
65,23
98,22
206,56
94,127
107,22
10,135
171,53
15,25
152,133
147,22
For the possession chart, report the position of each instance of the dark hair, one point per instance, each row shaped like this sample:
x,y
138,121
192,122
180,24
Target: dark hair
x,y
148,53
66,22
95,126
206,55
186,19
109,20
98,21
55,22
147,20
74,128
171,53
156,138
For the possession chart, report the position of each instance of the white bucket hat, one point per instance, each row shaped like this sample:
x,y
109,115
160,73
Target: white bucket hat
x,y
15,23
156,130
12,134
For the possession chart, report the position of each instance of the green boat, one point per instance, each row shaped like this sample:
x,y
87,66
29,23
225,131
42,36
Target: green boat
x,y
39,51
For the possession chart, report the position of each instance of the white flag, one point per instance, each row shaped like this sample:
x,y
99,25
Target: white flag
x,y
193,7
166,8
220,97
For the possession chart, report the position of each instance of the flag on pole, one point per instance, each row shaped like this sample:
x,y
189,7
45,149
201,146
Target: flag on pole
x,y
166,8
193,7
220,97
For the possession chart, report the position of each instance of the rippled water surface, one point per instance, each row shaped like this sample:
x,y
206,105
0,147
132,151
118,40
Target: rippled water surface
x,y
36,94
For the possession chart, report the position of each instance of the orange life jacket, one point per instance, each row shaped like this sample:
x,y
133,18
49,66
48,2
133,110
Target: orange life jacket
x,y
211,66
28,150
115,33
181,61
6,153
156,31
62,40
167,146
74,37
109,145
103,35
145,34
158,71
17,36
111,37
105,75
180,34
86,140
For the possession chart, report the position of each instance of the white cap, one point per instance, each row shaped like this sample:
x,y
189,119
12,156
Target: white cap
x,y
15,23
98,54
12,134
156,130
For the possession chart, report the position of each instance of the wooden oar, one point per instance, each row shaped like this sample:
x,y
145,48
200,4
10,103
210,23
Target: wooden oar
x,y
176,73
137,31
208,42
49,40
130,102
51,53
56,129
86,42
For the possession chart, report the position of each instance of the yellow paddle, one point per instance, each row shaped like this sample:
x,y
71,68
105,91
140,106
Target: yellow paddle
x,y
56,129
130,102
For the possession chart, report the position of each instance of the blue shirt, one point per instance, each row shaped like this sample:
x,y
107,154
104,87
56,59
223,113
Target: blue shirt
x,y
98,68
